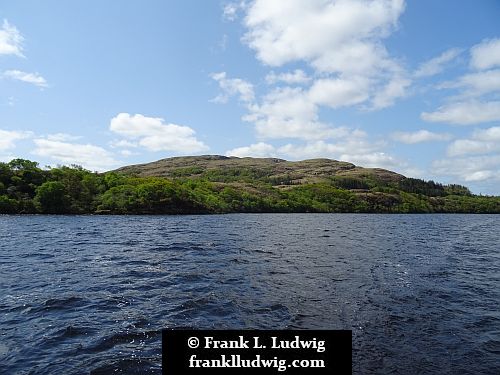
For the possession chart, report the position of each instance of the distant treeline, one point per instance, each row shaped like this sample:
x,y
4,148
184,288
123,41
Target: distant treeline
x,y
25,188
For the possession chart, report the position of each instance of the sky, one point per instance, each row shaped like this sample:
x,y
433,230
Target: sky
x,y
411,86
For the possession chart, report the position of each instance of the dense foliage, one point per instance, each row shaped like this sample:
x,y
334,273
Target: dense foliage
x,y
26,188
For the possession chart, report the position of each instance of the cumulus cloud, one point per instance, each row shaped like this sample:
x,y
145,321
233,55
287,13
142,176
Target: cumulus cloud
x,y
63,137
155,135
469,169
127,153
257,150
489,135
354,147
287,113
31,78
436,65
387,95
482,141
358,151
122,143
292,112
420,136
473,159
339,92
233,87
486,54
8,138
374,160
465,113
11,40
340,40
332,35
476,99
87,155
471,146
298,76
475,84
314,149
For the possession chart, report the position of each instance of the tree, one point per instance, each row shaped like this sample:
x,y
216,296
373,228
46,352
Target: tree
x,y
51,198
7,205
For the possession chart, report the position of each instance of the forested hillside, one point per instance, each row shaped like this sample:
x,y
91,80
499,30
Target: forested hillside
x,y
217,184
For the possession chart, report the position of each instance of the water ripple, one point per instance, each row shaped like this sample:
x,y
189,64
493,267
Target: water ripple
x,y
90,295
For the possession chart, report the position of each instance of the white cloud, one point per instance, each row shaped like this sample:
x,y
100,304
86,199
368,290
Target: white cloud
x,y
123,143
87,155
355,58
419,136
483,141
332,35
473,159
298,76
469,169
373,160
283,113
231,10
9,137
489,135
153,134
477,98
387,95
340,40
313,149
127,153
481,175
32,78
233,87
465,113
287,113
357,151
436,65
355,147
476,84
257,150
486,54
339,92
62,137
10,40
471,146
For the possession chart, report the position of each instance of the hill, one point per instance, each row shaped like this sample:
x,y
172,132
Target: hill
x,y
219,184
273,170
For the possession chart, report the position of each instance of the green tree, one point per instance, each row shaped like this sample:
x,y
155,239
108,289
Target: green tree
x,y
8,205
51,198
120,200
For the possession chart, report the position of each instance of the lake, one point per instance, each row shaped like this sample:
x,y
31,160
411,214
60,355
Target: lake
x,y
90,294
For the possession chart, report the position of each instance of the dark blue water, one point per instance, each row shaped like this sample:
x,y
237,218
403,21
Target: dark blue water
x,y
86,294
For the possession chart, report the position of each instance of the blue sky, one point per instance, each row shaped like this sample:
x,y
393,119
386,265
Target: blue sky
x,y
411,86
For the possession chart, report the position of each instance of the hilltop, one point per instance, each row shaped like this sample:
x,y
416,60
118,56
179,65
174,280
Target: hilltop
x,y
276,171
